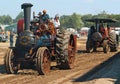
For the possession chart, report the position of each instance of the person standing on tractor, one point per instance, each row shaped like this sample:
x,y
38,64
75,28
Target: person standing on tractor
x,y
45,17
57,23
40,17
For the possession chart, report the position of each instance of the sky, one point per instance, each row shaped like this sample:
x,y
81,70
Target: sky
x,y
61,7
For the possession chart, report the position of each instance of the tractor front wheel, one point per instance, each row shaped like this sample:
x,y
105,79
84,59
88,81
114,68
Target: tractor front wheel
x,y
89,46
43,60
105,46
11,65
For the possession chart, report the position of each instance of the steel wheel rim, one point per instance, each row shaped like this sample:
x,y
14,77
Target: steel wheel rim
x,y
71,54
12,63
46,61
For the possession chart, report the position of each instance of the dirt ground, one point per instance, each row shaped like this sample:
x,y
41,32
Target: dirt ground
x,y
90,68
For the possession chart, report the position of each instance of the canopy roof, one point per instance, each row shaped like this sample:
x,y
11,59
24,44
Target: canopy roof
x,y
101,20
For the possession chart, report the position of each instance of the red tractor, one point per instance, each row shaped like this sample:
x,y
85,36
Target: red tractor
x,y
102,35
38,44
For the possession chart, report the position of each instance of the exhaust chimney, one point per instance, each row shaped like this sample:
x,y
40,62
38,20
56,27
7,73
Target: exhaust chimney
x,y
27,14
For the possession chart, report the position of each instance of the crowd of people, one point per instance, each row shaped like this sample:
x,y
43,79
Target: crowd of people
x,y
44,18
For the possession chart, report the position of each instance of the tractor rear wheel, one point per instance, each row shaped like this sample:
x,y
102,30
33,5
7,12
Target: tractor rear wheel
x,y
11,65
65,49
43,60
117,42
89,46
113,42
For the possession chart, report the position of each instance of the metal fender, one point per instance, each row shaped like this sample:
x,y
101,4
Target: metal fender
x,y
74,39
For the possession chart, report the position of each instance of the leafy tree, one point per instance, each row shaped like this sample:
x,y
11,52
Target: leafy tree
x,y
116,17
76,21
65,21
103,14
84,18
1,19
6,19
73,21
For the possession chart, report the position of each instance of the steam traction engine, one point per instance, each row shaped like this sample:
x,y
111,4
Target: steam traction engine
x,y
37,43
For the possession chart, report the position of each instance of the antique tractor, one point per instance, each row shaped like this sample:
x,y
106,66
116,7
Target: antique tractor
x,y
102,35
38,44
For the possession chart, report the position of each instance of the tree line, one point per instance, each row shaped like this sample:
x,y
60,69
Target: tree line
x,y
77,21
68,21
7,19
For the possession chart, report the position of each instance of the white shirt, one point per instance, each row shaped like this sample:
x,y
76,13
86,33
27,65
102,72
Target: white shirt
x,y
56,23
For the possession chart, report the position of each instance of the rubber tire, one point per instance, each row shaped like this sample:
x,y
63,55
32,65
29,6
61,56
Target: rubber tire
x,y
113,42
8,66
117,42
105,46
62,40
89,46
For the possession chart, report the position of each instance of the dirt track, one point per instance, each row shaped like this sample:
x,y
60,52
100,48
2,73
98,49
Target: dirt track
x,y
93,68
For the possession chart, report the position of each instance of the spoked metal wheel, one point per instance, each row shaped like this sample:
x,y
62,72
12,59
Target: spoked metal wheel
x,y
11,65
71,52
43,60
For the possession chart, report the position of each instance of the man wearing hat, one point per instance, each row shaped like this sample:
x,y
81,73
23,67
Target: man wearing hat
x,y
45,16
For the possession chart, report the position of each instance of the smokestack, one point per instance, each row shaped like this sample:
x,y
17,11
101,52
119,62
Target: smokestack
x,y
27,14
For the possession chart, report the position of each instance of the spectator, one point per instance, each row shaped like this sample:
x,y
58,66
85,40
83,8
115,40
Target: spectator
x,y
11,38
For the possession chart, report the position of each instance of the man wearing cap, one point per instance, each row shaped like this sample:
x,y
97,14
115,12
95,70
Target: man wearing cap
x,y
45,16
